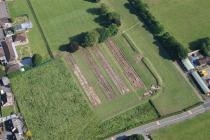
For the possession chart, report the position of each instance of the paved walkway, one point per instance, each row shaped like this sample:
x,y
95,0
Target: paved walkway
x,y
147,128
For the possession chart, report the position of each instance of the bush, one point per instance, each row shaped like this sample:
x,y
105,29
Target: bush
x,y
90,39
114,18
36,59
104,9
73,47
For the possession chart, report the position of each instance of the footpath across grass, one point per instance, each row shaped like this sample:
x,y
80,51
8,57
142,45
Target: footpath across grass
x,y
194,129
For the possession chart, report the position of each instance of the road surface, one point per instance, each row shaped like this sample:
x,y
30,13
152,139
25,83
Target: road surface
x,y
147,128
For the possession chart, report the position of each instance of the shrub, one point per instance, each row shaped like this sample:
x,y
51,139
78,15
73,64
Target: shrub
x,y
36,59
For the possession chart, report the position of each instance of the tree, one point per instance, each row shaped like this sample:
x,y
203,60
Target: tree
x,y
114,18
104,34
90,39
36,59
113,30
73,47
104,9
182,52
135,137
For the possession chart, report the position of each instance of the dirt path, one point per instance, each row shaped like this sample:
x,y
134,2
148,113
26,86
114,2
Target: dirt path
x,y
107,88
128,70
90,92
115,78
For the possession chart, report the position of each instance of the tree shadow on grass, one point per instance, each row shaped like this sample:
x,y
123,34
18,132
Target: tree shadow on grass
x,y
94,11
76,38
162,52
102,21
92,1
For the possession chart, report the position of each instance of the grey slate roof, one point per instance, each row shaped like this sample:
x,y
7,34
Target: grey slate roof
x,y
2,36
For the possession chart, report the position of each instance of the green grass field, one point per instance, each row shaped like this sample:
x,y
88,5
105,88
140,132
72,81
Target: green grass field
x,y
36,42
194,129
63,19
187,20
51,102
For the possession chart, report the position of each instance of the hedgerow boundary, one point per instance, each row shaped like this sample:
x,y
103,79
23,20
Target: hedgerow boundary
x,y
40,28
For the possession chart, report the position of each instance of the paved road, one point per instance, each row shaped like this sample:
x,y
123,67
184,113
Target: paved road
x,y
147,128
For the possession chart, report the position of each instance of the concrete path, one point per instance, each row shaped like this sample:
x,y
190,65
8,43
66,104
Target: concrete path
x,y
147,128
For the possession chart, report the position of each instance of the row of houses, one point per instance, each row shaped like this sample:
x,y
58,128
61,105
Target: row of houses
x,y
11,36
11,125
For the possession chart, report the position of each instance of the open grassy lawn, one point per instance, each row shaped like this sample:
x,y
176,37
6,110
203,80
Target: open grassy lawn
x,y
187,20
176,93
63,19
194,129
36,43
52,103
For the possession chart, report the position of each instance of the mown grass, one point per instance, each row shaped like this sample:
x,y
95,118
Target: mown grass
x,y
52,103
36,42
194,129
186,20
63,19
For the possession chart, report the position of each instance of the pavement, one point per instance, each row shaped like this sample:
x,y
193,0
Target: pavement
x,y
146,129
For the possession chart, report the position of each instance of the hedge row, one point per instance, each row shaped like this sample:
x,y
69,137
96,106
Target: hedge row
x,y
168,42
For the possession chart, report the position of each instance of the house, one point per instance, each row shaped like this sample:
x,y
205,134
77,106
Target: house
x,y
10,37
10,51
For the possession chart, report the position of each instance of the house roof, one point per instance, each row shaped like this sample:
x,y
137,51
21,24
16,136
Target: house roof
x,y
1,51
204,60
188,65
9,50
20,37
3,10
2,36
3,21
200,82
26,25
5,80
